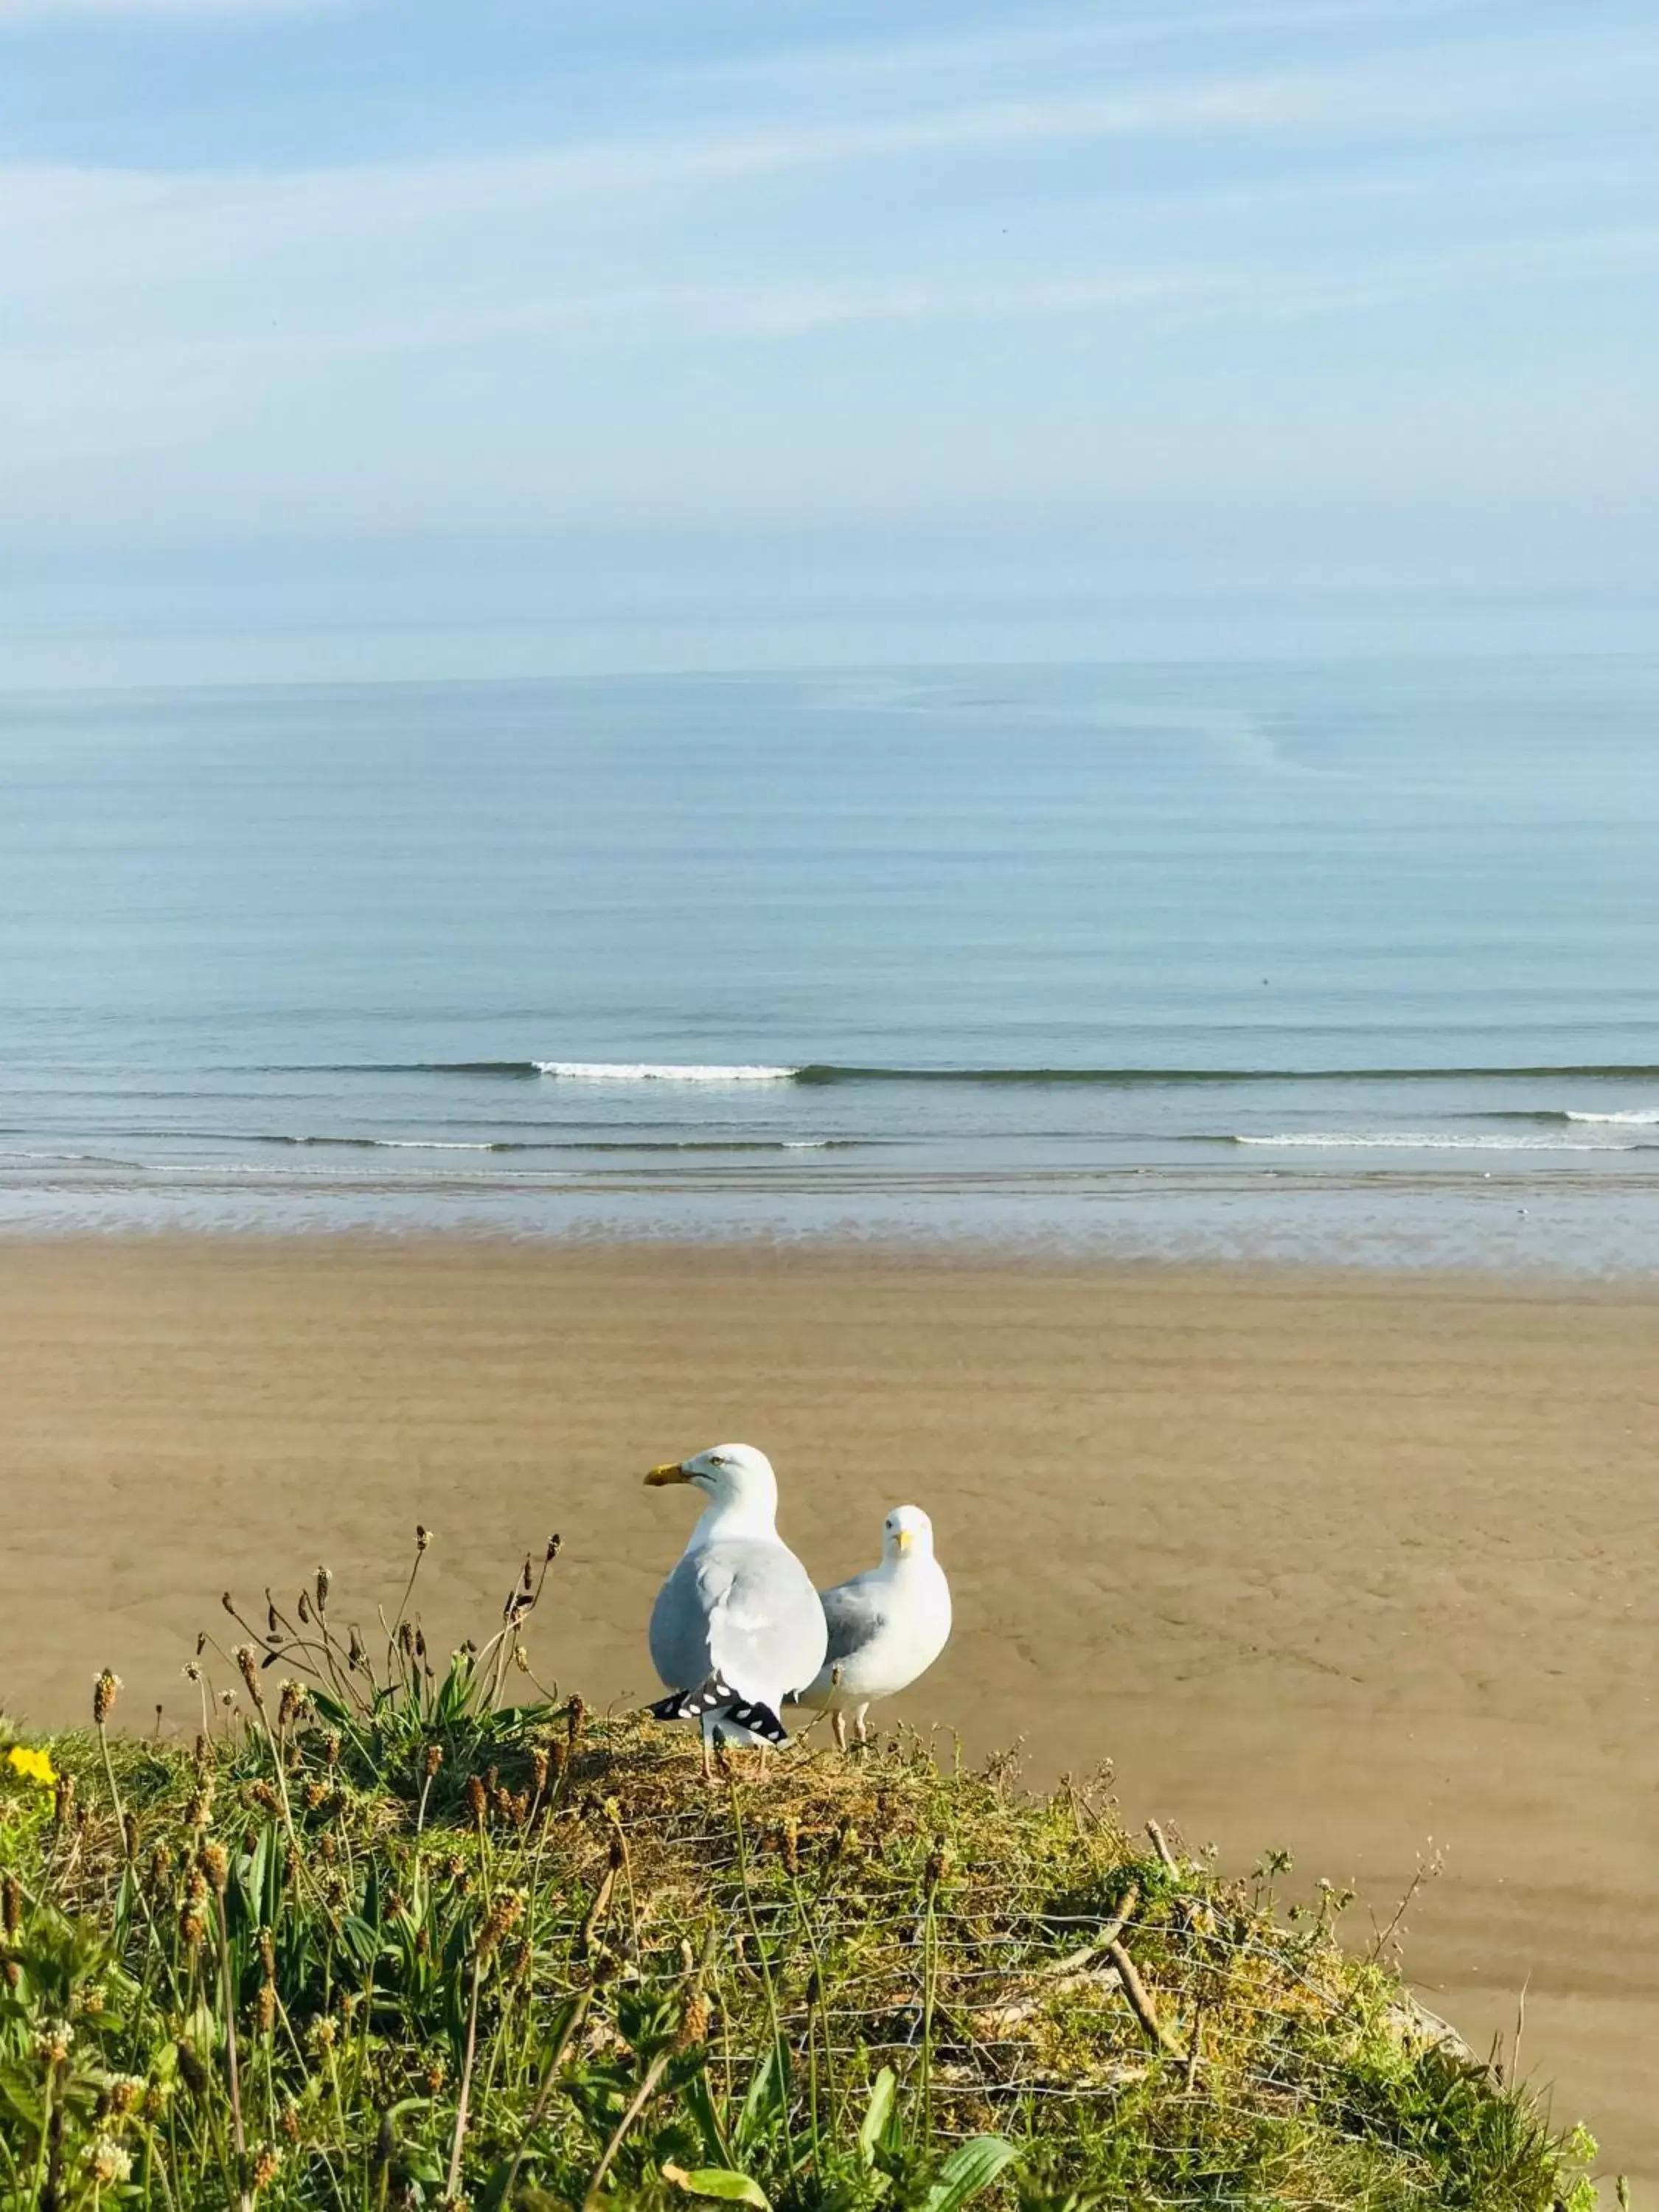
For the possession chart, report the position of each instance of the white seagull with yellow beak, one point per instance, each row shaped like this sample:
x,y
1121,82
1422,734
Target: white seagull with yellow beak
x,y
737,1627
886,1626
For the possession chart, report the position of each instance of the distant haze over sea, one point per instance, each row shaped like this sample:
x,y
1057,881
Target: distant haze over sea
x,y
1352,958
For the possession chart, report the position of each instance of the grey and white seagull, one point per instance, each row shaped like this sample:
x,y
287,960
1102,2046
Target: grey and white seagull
x,y
886,1626
738,1628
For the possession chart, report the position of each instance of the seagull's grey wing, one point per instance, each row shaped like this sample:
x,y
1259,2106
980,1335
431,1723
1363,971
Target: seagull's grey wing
x,y
745,1611
855,1614
679,1630
766,1624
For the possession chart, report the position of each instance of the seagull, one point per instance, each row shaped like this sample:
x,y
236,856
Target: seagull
x,y
737,1627
886,1626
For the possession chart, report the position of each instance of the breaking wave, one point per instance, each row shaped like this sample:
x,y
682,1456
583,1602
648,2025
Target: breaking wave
x,y
1421,1141
836,1071
643,1071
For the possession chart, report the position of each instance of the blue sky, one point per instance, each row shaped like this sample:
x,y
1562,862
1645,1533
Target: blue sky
x,y
391,337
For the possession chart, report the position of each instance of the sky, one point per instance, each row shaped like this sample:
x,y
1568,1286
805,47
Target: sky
x,y
383,339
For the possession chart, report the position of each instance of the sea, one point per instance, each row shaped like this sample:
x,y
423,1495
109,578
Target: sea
x,y
1351,961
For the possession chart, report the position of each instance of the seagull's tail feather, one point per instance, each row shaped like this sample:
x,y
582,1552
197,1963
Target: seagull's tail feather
x,y
708,1697
717,1696
760,1720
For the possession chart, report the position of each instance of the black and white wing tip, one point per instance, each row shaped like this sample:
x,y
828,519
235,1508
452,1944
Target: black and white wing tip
x,y
717,1696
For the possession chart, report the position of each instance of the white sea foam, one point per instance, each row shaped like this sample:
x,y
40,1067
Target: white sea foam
x,y
1638,1117
62,1160
641,1071
259,1171
419,1144
1407,1140
391,1144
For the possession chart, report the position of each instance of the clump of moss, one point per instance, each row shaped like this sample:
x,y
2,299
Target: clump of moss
x,y
381,1938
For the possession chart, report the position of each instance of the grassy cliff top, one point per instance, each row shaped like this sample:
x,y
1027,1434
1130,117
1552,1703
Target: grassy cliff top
x,y
382,1940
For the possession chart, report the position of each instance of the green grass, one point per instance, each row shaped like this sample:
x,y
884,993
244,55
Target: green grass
x,y
384,1938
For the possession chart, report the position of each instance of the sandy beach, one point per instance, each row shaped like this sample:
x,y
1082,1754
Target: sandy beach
x,y
1357,1565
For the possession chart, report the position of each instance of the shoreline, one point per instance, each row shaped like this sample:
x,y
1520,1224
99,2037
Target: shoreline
x,y
766,1244
1346,1561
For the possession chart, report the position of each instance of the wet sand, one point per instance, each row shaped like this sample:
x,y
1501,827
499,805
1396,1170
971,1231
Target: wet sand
x,y
1366,1566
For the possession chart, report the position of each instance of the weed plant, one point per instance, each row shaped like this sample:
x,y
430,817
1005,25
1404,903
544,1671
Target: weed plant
x,y
384,1938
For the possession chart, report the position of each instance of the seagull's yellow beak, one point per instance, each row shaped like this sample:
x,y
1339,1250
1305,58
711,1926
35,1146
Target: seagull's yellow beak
x,y
670,1471
903,1540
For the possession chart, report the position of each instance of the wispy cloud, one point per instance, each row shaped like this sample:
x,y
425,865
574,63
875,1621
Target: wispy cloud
x,y
1540,86
288,273
23,12
1037,43
610,239
913,275
374,193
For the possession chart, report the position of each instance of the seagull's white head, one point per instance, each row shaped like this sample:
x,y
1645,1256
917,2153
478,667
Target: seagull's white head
x,y
734,1476
907,1532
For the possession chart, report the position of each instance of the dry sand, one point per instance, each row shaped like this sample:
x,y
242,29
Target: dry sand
x,y
1360,1565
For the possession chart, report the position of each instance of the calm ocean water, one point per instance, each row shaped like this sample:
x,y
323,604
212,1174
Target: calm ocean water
x,y
1350,961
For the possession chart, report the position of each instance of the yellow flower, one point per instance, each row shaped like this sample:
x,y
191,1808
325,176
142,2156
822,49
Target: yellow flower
x,y
34,1765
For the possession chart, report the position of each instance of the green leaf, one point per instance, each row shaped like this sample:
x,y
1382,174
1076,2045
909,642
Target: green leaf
x,y
456,1693
699,2103
23,2099
508,1717
973,2166
768,2096
877,2113
718,2181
